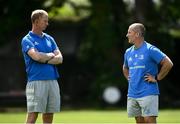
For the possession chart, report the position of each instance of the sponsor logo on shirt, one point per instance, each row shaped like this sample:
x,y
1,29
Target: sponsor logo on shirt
x,y
137,67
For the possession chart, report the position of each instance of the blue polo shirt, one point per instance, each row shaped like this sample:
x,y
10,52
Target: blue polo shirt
x,y
36,70
141,61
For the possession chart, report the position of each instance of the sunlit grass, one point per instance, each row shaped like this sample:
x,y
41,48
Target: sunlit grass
x,y
92,116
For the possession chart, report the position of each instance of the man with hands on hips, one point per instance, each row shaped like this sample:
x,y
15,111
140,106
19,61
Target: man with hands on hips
x,y
140,68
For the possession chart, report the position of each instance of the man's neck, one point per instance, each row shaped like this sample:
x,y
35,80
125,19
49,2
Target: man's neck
x,y
36,31
138,43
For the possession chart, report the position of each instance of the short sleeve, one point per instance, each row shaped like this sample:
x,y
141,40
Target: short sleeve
x,y
125,60
54,45
26,45
156,54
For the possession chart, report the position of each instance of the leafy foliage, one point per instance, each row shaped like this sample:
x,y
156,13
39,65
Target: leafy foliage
x,y
103,42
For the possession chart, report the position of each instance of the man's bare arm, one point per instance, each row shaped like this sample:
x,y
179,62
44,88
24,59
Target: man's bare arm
x,y
57,59
126,72
40,56
166,65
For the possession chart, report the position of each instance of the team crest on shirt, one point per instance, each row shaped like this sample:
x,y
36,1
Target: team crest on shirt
x,y
141,56
36,43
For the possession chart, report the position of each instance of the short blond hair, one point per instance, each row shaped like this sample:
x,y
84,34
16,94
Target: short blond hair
x,y
36,14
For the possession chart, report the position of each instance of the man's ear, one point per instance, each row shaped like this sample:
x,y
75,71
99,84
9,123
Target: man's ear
x,y
137,34
36,21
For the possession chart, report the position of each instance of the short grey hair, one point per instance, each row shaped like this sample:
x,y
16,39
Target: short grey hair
x,y
139,28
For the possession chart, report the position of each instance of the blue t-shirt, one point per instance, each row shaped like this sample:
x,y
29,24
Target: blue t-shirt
x,y
36,70
141,61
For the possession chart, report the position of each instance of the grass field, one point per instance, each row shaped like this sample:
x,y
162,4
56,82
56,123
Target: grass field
x,y
92,116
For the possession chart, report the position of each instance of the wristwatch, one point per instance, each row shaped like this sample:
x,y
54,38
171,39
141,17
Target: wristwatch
x,y
46,62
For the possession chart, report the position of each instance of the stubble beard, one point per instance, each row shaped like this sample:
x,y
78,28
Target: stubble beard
x,y
130,41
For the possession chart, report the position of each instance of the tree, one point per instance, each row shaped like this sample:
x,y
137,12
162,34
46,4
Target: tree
x,y
16,15
101,48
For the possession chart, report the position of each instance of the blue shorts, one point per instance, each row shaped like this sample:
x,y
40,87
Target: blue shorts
x,y
43,96
145,106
